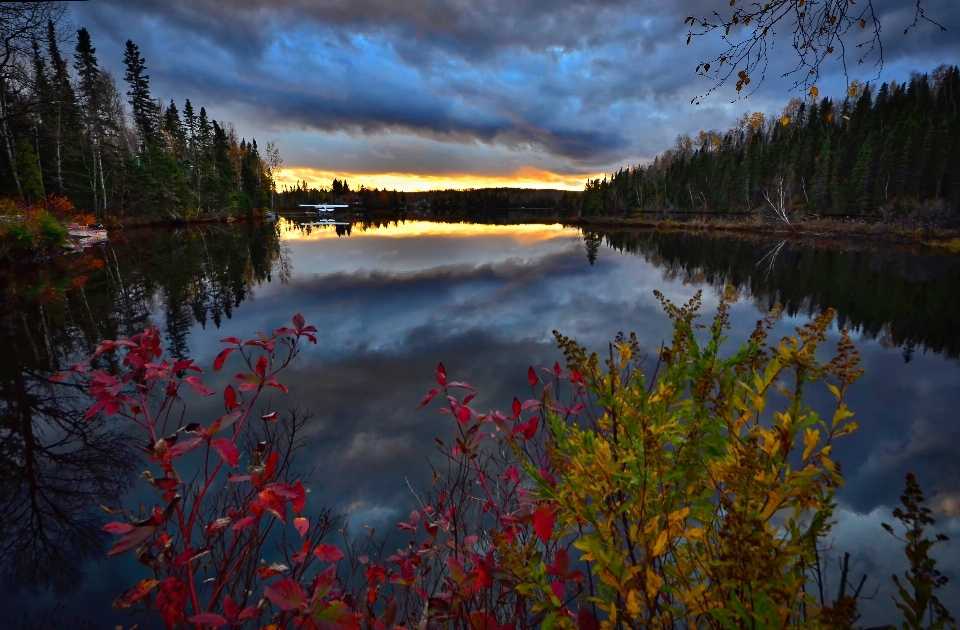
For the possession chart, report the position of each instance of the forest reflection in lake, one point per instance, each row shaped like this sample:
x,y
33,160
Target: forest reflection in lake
x,y
393,300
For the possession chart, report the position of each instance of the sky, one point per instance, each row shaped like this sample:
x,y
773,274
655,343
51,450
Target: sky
x,y
427,94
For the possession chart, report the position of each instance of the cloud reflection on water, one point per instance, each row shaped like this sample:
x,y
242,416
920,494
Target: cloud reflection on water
x,y
393,302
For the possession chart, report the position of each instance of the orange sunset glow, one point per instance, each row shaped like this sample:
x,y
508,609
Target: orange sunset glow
x,y
521,233
524,177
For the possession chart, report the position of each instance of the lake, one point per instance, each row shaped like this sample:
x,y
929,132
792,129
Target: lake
x,y
393,300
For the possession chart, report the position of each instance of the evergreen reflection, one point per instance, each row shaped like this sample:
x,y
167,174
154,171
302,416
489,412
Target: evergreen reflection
x,y
902,295
56,468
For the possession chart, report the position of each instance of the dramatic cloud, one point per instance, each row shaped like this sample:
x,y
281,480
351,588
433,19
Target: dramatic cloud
x,y
444,87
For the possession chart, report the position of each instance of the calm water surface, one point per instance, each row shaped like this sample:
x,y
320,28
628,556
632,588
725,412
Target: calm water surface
x,y
393,301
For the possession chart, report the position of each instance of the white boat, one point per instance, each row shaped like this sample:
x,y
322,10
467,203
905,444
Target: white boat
x,y
323,207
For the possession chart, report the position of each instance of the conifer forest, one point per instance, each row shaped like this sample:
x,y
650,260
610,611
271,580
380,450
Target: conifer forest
x,y
69,128
884,152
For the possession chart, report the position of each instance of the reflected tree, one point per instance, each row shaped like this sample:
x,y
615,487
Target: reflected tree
x,y
906,295
55,467
592,241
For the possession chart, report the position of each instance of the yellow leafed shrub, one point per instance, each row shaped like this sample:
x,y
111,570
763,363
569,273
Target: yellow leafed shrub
x,y
699,493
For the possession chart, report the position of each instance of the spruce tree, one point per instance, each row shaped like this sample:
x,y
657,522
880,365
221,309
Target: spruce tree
x,y
144,109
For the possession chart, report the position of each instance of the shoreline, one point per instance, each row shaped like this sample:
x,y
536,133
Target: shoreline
x,y
939,238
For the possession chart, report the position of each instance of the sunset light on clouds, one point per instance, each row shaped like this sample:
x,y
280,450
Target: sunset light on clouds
x,y
441,94
525,177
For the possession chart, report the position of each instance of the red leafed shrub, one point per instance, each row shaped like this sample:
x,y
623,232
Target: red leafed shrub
x,y
218,498
223,488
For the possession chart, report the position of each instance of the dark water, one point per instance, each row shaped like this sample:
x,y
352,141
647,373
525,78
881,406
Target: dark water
x,y
393,301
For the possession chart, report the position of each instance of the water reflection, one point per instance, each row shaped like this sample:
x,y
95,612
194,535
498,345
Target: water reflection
x,y
393,299
903,296
55,468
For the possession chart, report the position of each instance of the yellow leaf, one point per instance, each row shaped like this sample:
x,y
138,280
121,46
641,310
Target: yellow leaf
x,y
846,429
654,582
811,437
661,545
814,91
834,390
863,24
785,121
694,533
676,518
633,604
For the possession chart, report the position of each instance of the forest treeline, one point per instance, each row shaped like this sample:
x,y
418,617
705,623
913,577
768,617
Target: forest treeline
x,y
474,204
883,152
68,130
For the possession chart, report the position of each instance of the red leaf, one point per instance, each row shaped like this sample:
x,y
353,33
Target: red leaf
x,y
230,607
302,525
182,447
233,340
280,386
586,620
132,539
117,528
244,523
261,367
270,466
543,522
171,601
516,408
198,386
328,553
248,613
556,368
531,428
561,563
324,582
299,322
426,399
558,590
134,594
272,502
286,594
228,451
441,376
299,500
218,362
463,415
224,421
230,398
532,376
270,417
208,619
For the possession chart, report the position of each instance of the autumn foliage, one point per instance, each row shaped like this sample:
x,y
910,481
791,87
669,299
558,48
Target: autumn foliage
x,y
695,496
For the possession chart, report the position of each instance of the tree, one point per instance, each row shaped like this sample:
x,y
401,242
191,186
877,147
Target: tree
x,y
21,24
819,30
144,109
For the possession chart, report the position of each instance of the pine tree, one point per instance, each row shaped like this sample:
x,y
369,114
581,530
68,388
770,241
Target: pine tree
x,y
64,115
92,106
144,109
174,128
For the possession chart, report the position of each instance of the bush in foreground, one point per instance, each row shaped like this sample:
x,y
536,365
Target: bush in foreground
x,y
697,496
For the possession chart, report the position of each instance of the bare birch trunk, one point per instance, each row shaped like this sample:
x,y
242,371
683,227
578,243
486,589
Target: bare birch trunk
x,y
6,134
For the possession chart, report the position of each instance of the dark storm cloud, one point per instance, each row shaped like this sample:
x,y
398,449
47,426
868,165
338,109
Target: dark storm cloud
x,y
588,82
